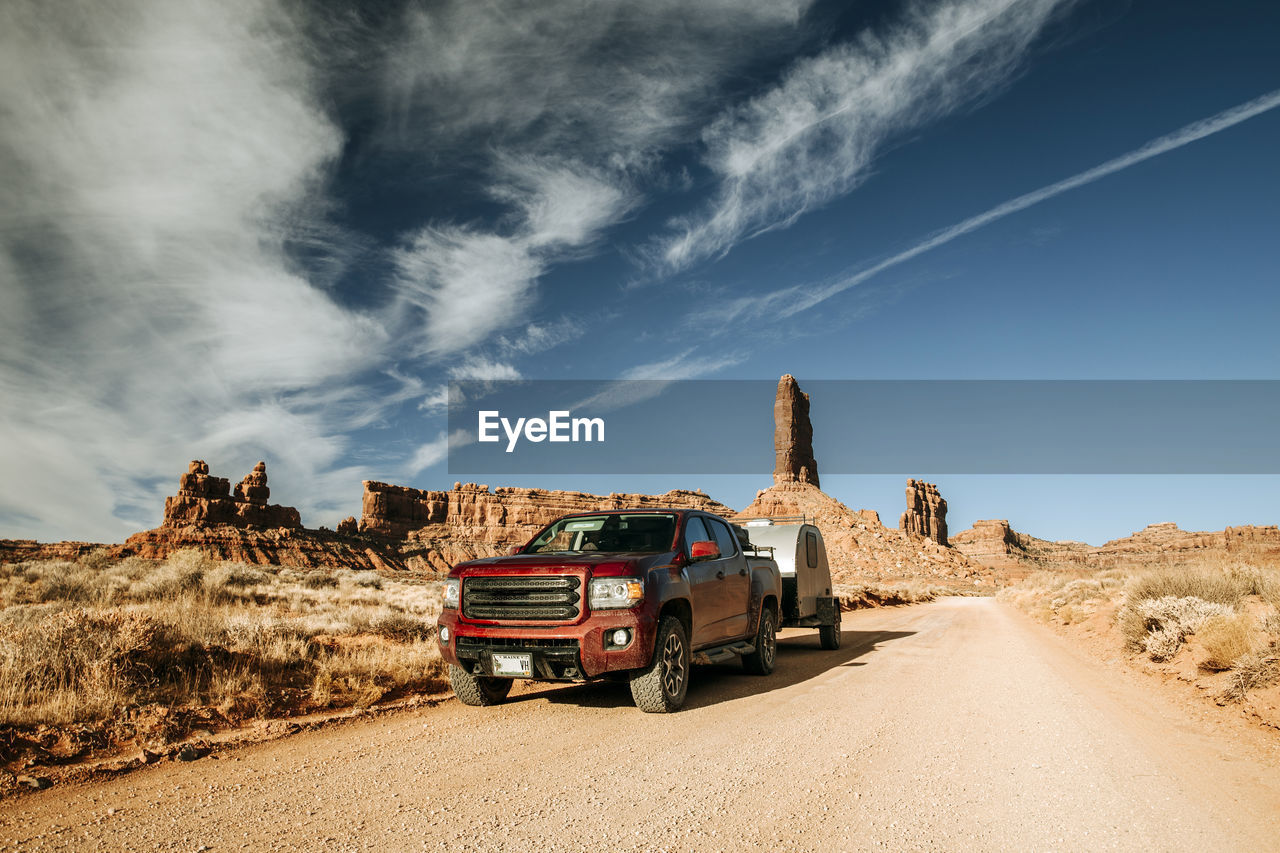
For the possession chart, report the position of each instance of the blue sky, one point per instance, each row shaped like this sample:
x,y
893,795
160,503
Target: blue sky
x,y
244,230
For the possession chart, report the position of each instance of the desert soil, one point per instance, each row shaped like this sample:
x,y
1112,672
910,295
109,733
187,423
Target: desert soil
x,y
958,724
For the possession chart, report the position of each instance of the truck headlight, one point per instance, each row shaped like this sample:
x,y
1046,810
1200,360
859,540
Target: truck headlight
x,y
452,592
611,593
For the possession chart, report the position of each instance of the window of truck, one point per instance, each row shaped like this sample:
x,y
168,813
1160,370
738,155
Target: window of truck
x,y
694,531
645,533
724,538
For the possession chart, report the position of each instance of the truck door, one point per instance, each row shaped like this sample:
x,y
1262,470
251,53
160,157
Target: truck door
x,y
706,585
736,583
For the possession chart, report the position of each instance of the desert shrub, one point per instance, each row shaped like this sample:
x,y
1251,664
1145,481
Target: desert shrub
x,y
368,580
1163,642
1271,622
79,644
402,627
1252,670
182,573
97,559
1159,626
72,664
1226,639
1078,591
236,575
62,581
360,675
319,579
1206,584
1249,579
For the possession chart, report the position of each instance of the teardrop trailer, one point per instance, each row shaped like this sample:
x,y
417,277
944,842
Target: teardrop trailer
x,y
797,547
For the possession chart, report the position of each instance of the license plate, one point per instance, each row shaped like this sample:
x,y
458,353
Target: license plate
x,y
512,665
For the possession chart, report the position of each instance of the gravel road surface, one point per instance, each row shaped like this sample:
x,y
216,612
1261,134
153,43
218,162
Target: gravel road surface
x,y
955,725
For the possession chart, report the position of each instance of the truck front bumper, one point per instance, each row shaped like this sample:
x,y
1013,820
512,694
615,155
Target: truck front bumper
x,y
557,653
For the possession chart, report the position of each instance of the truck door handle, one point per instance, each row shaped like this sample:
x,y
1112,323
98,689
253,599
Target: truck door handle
x,y
742,572
720,575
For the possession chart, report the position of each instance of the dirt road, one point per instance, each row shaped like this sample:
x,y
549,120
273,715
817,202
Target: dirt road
x,y
953,725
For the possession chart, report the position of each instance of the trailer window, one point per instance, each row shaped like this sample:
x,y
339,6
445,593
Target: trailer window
x,y
811,549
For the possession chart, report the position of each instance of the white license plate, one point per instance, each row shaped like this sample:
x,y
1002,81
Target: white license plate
x,y
512,665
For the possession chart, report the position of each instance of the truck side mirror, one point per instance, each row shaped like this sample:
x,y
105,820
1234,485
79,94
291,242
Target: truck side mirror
x,y
707,550
514,549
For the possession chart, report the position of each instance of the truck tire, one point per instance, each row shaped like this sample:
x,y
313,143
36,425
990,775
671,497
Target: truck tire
x,y
829,636
478,689
760,662
660,687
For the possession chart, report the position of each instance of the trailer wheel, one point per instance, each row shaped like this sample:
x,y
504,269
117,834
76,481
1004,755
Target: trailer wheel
x,y
829,635
477,689
661,686
760,662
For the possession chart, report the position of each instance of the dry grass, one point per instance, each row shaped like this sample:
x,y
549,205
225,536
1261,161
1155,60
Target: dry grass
x,y
853,596
1253,670
1229,602
1226,639
94,640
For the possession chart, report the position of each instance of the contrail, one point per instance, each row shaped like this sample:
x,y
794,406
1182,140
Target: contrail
x,y
1177,139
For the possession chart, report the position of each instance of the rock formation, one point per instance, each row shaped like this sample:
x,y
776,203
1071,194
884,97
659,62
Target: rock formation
x,y
792,435
861,550
253,488
995,543
207,516
440,528
926,513
204,500
992,542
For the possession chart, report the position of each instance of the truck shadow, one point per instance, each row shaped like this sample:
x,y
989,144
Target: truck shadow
x,y
800,658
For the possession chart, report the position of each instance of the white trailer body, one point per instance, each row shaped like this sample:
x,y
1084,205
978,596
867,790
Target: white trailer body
x,y
806,575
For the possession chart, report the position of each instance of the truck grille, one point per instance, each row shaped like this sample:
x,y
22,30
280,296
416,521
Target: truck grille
x,y
533,598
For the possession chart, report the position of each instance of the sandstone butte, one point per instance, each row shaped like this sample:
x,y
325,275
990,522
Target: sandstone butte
x,y
926,513
426,530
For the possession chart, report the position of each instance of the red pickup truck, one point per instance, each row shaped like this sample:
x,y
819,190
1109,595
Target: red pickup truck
x,y
638,595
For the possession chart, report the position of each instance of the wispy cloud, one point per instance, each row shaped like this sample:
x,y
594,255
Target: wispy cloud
x,y
791,300
479,368
813,137
150,176
684,365
470,282
558,113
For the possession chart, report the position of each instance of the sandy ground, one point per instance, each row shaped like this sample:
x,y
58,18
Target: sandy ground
x,y
958,724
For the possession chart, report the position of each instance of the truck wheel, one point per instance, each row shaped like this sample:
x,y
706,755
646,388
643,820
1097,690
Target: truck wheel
x,y
660,687
829,636
760,662
478,689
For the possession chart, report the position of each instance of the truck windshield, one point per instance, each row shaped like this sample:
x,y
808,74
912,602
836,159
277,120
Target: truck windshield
x,y
645,533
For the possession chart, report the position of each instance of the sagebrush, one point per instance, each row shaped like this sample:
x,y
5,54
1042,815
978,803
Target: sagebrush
x,y
87,640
